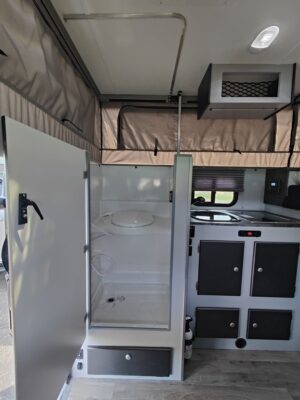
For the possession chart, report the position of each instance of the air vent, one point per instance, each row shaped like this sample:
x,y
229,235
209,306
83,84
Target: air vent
x,y
244,91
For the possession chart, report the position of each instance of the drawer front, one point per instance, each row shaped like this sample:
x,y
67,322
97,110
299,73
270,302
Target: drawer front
x,y
269,324
220,268
217,322
275,269
138,361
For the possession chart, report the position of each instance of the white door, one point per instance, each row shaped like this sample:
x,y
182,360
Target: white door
x,y
46,256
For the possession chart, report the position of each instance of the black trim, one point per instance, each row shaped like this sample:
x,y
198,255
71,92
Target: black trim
x,y
293,133
66,121
101,132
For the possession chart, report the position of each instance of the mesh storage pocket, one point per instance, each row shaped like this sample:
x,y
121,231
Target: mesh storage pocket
x,y
250,89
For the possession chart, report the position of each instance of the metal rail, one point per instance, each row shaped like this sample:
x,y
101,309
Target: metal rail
x,y
100,16
179,123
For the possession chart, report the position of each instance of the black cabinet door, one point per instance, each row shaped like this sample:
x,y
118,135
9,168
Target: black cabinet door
x,y
137,361
274,269
220,268
269,324
217,322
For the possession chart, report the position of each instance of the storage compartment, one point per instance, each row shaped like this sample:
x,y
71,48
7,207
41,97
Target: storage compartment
x,y
139,361
217,322
269,324
244,91
220,268
274,269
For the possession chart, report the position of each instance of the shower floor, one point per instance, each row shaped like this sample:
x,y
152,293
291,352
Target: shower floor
x,y
132,305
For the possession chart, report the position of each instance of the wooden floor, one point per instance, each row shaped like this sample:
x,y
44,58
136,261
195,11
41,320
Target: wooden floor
x,y
210,375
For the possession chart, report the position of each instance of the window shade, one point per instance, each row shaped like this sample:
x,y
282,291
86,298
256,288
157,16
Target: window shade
x,y
218,179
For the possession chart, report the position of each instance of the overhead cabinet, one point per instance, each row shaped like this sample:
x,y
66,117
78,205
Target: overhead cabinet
x,y
244,91
274,269
220,268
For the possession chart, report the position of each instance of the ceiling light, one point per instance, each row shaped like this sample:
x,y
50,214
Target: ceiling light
x,y
265,38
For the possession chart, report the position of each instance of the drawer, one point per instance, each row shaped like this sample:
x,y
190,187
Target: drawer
x,y
220,268
217,322
269,324
138,361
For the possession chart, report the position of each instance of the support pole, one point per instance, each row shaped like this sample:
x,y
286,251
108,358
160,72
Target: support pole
x,y
179,122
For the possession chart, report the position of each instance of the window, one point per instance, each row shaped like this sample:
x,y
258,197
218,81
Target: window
x,y
214,198
216,187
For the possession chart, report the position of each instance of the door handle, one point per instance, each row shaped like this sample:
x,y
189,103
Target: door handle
x,y
24,202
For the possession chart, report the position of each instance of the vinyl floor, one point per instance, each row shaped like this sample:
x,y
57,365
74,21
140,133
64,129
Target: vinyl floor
x,y
210,375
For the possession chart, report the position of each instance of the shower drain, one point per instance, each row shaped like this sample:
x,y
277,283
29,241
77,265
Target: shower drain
x,y
114,299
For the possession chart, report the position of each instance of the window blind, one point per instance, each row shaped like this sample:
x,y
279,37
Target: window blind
x,y
222,180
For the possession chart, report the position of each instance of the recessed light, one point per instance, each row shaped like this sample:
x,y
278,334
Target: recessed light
x,y
265,38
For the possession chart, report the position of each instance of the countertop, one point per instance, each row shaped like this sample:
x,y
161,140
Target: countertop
x,y
248,218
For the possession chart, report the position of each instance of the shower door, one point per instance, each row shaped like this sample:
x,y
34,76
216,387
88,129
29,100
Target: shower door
x,y
46,231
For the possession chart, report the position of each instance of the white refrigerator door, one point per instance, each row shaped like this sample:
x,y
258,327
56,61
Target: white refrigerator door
x,y
46,257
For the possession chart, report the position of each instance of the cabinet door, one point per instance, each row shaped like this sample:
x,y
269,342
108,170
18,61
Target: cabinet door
x,y
274,269
217,322
46,257
269,324
220,268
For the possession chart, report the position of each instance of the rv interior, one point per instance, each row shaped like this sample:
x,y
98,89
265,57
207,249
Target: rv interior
x,y
151,199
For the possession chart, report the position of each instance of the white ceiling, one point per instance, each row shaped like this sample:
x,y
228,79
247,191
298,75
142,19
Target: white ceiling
x,y
138,56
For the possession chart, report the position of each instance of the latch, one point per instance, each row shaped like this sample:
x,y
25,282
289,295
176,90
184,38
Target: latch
x,y
23,204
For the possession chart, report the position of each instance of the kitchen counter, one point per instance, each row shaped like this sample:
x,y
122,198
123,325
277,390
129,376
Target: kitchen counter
x,y
241,218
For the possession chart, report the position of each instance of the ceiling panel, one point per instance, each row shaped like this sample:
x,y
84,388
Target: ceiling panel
x,y
138,57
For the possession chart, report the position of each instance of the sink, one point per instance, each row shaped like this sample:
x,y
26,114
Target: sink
x,y
214,216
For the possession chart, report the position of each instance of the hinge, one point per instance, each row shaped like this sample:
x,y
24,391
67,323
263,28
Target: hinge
x,y
171,196
85,174
80,355
69,378
86,317
85,248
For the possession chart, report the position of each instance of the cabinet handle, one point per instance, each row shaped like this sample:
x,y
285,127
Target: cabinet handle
x,y
128,357
232,324
236,269
260,269
255,325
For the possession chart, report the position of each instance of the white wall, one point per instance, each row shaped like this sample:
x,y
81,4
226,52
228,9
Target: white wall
x,y
124,187
253,196
131,187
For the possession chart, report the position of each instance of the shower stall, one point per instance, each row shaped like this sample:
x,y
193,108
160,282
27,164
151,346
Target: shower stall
x,y
130,274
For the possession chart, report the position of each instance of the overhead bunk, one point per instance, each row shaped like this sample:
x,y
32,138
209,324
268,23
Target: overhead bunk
x,y
148,135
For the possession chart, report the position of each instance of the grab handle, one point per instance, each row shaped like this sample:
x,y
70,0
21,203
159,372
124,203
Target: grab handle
x,y
24,202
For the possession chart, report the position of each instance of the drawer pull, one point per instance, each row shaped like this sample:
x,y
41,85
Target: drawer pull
x,y
128,357
236,269
255,325
232,324
260,269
